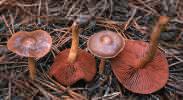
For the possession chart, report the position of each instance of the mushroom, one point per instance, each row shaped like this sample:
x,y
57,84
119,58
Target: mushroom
x,y
79,65
33,44
105,44
141,67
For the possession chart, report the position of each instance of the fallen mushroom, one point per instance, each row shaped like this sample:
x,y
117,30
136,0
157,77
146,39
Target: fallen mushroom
x,y
79,65
141,67
105,44
33,44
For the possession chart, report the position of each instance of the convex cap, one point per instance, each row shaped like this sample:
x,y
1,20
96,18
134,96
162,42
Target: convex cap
x,y
106,44
30,44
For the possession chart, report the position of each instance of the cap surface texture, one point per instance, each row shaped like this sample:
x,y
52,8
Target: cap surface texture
x,y
106,44
30,44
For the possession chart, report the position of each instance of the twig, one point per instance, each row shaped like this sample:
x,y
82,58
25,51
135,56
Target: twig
x,y
70,92
44,92
73,6
39,11
47,10
130,19
48,85
9,90
173,64
12,23
108,97
6,23
147,6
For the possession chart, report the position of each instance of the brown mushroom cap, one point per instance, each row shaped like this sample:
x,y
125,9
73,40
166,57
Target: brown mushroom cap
x,y
30,44
106,44
67,73
145,80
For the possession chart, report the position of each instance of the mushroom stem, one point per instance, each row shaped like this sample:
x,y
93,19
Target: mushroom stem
x,y
32,67
75,42
163,20
101,66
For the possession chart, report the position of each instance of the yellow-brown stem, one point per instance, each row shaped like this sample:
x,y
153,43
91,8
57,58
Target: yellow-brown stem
x,y
32,67
101,70
163,20
101,66
75,42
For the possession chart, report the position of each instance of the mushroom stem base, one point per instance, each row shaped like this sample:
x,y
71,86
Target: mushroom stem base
x,y
32,67
149,56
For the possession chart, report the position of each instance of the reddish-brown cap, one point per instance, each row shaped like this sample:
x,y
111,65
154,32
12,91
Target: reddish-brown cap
x,y
106,44
145,80
67,74
30,44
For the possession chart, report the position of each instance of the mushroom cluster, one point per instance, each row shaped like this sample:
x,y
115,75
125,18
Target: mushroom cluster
x,y
139,66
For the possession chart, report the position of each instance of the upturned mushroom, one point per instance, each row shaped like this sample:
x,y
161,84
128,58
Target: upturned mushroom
x,y
105,44
35,44
141,67
73,64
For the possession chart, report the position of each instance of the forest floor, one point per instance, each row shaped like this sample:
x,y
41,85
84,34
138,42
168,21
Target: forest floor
x,y
133,18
